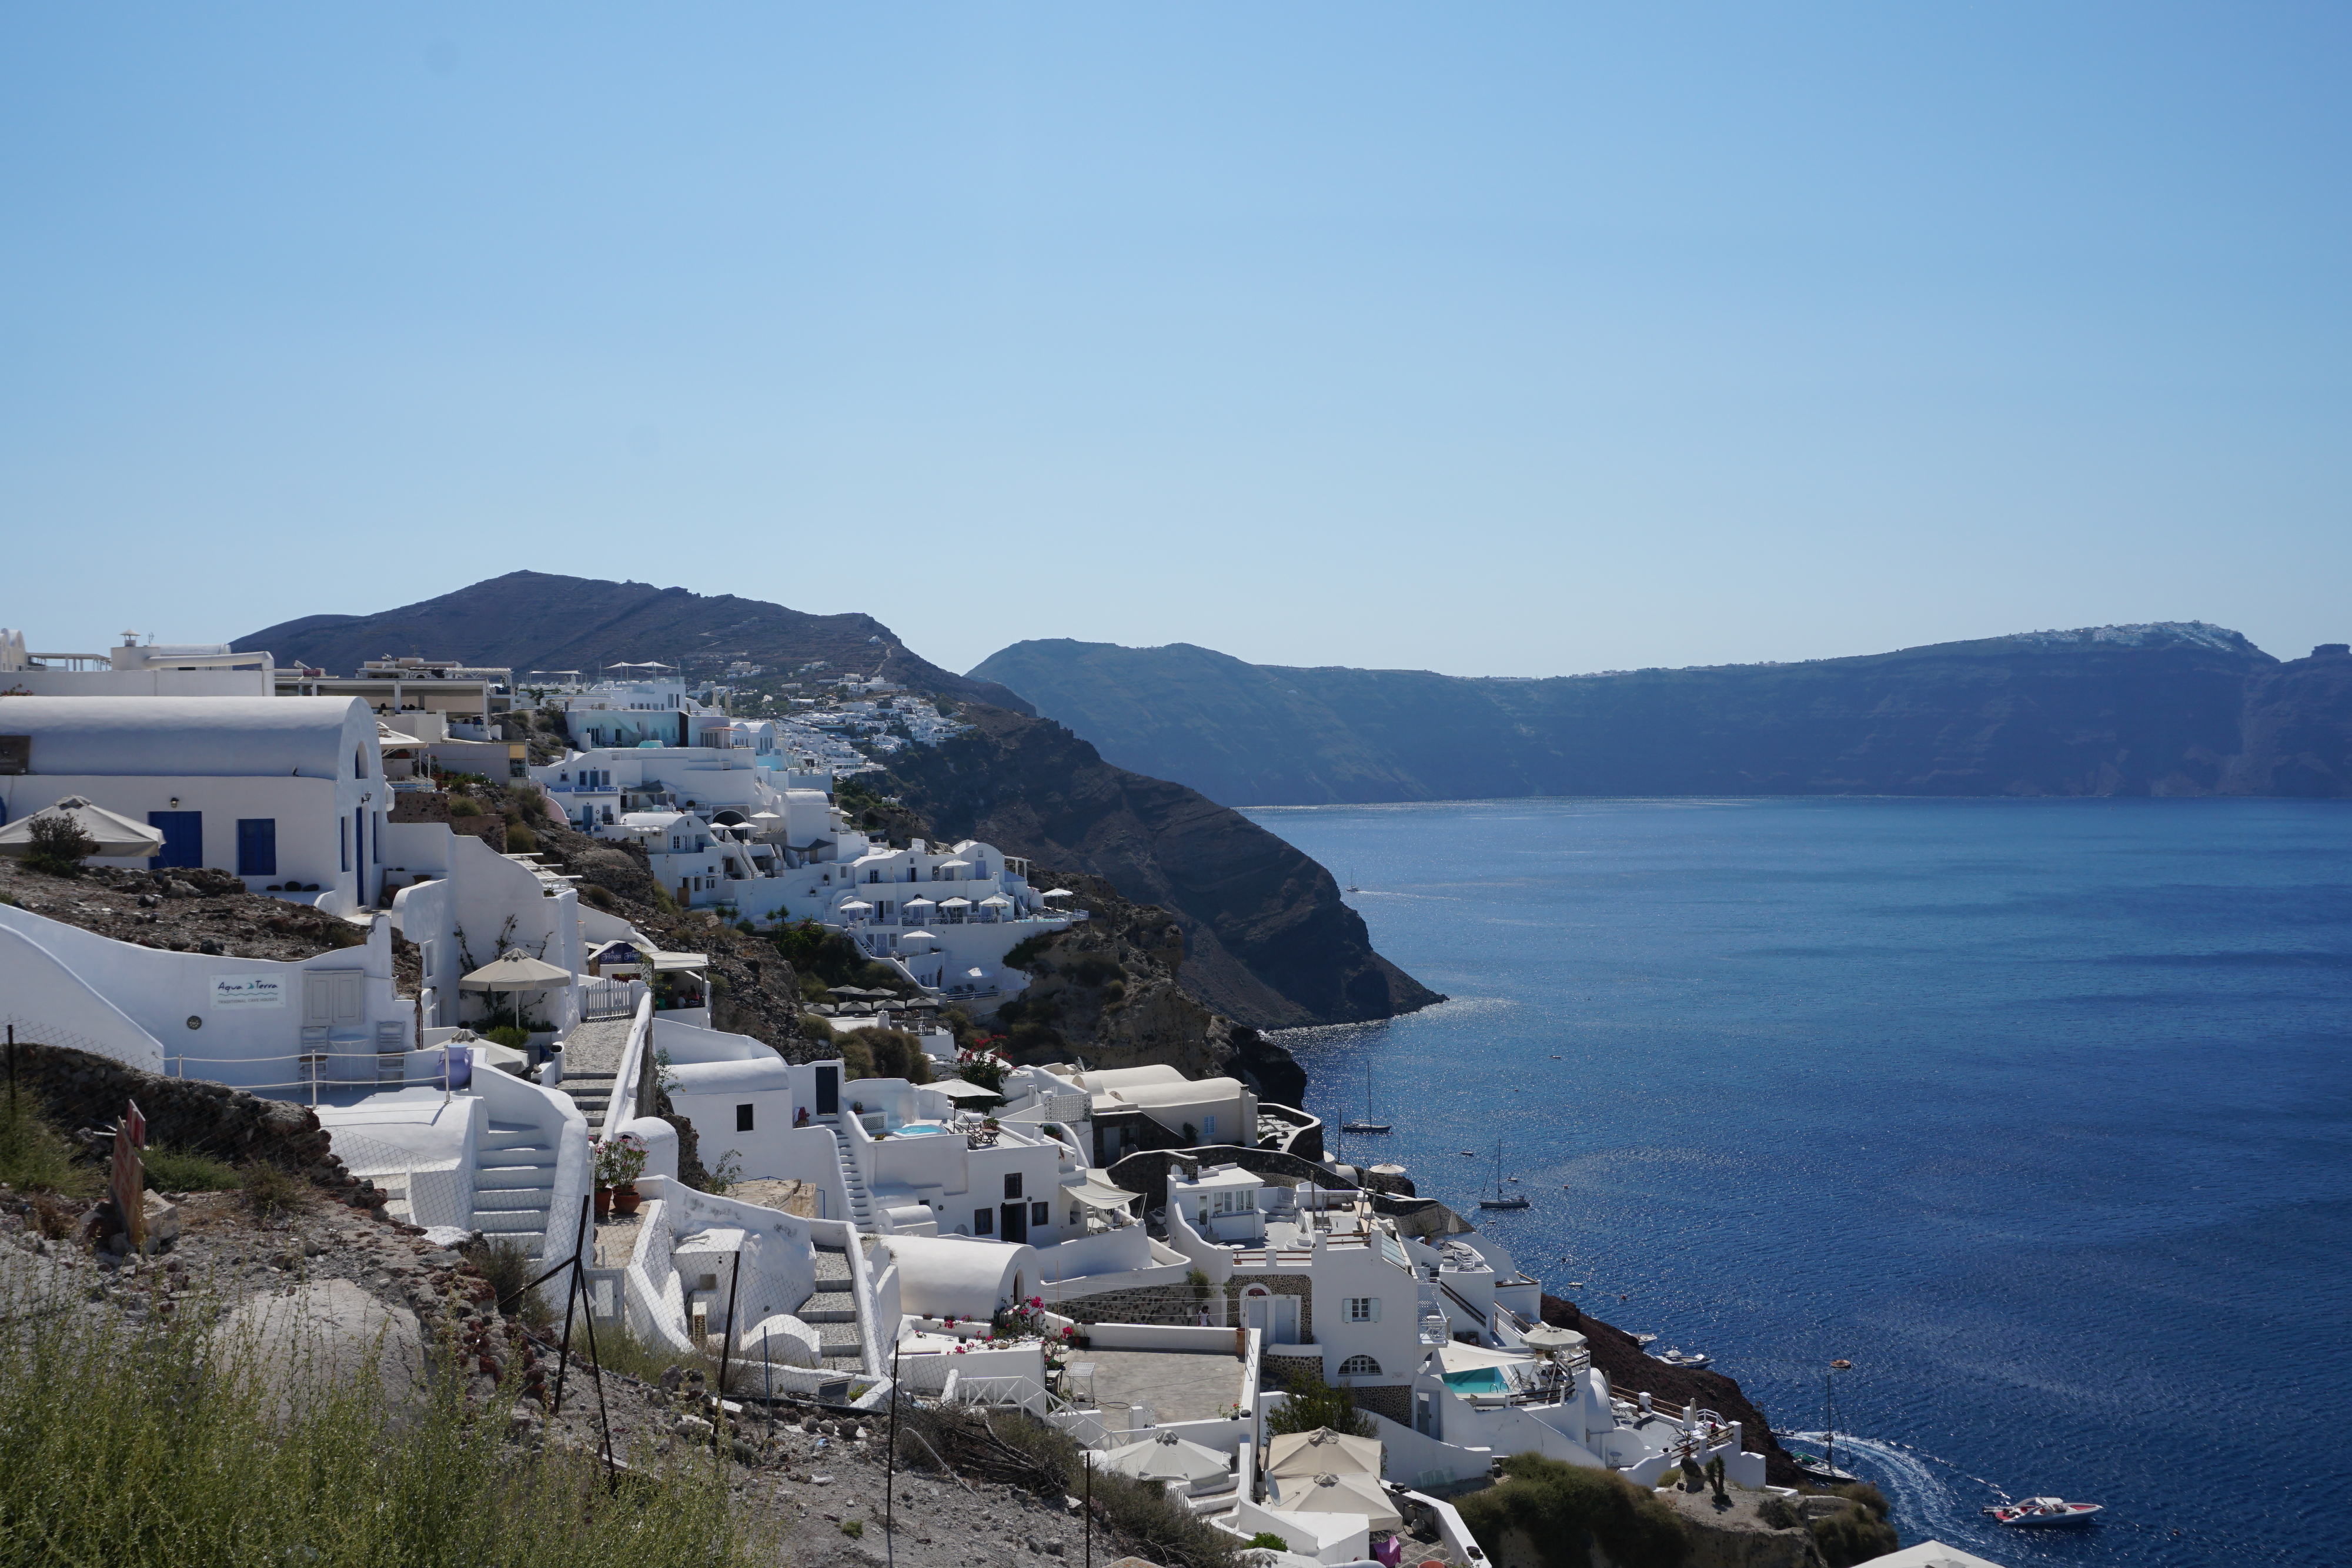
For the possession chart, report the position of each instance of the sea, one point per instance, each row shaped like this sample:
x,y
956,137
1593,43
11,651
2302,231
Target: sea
x,y
2038,1112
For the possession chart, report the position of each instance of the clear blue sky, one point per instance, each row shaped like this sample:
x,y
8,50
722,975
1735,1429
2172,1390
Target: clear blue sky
x,y
1488,339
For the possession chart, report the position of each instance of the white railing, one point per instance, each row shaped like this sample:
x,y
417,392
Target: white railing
x,y
622,1108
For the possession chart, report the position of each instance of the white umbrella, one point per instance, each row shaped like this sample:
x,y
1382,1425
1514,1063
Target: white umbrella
x,y
515,970
1057,892
1167,1457
918,904
918,935
855,903
997,901
955,904
116,837
955,865
1322,1452
1338,1494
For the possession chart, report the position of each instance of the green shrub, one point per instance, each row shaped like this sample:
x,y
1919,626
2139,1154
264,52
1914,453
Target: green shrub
x,y
164,1445
1779,1512
184,1170
1853,1536
1308,1402
271,1193
1266,1541
60,846
463,806
1029,953
36,1156
895,1054
853,1528
521,840
510,1036
1563,1507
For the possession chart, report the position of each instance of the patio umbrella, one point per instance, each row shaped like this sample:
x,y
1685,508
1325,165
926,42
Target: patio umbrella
x,y
1339,1494
116,837
1167,1457
514,971
919,934
855,903
955,904
996,901
1543,1336
1057,892
1322,1452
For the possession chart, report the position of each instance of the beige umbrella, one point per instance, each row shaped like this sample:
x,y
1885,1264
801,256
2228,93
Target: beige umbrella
x,y
1322,1452
515,970
1544,1336
117,838
1338,1494
1167,1457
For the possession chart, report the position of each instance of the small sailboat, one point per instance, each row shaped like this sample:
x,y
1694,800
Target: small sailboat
x,y
1366,1124
1352,880
1822,1467
2036,1512
1503,1199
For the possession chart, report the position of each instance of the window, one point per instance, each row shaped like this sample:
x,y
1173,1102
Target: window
x,y
1039,1214
984,1222
1209,1127
344,844
874,876
1360,1309
1359,1366
742,1118
359,763
1012,1187
256,846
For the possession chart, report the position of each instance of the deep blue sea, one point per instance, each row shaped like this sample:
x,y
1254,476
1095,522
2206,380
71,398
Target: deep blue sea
x,y
2038,1112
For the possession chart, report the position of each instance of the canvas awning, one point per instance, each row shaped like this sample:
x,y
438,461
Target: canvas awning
x,y
515,970
1455,1357
116,837
1322,1452
957,1089
387,737
1097,1194
673,962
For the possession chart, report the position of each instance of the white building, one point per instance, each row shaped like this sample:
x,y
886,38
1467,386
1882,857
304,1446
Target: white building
x,y
288,793
136,669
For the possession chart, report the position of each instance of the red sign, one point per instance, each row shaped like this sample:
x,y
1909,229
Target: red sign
x,y
130,1177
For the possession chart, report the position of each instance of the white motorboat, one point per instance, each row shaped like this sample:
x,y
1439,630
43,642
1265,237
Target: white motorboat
x,y
1645,1339
2038,1512
1695,1359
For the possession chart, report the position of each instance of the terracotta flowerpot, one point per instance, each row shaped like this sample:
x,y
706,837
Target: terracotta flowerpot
x,y
625,1200
603,1203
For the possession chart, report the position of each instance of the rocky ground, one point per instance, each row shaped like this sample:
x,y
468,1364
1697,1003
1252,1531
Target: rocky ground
x,y
190,910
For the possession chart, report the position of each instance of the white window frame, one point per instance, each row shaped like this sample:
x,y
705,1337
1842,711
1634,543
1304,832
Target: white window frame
x,y
1360,1309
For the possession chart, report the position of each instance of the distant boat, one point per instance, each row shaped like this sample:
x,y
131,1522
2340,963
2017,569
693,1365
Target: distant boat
x,y
1352,880
1367,1125
1645,1339
1816,1468
2044,1511
1501,1198
1693,1361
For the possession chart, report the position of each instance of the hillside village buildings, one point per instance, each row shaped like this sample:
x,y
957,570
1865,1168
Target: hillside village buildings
x,y
1124,1253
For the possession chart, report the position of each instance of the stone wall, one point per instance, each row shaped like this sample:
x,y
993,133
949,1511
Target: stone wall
x,y
1392,1400
77,1090
1143,1304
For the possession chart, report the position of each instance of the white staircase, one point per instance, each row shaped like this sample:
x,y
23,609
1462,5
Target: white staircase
x,y
514,1180
861,1203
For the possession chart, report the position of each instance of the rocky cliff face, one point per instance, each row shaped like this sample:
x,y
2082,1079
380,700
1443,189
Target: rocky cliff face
x,y
1267,941
2180,708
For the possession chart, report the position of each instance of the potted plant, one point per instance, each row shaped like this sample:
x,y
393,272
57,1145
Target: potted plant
x,y
619,1162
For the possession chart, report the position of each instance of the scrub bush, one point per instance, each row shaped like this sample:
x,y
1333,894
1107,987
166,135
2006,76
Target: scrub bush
x,y
37,1157
184,1170
1564,1510
460,806
60,846
1308,1402
1860,1532
271,1193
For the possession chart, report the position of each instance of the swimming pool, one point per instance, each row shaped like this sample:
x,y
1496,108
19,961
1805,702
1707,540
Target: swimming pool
x,y
919,1130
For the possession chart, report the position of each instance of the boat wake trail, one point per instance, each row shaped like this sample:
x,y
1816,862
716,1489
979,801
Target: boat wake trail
x,y
1915,1483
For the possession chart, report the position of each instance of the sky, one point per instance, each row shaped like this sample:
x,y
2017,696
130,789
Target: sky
x,y
1494,340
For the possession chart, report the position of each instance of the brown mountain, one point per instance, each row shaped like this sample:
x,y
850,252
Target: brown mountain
x,y
530,620
1267,942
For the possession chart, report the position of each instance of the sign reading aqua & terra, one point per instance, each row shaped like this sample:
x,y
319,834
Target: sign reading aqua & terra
x,y
248,991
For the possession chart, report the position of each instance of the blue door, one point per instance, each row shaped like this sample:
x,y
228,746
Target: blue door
x,y
256,846
183,839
